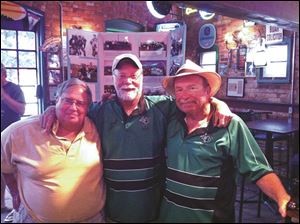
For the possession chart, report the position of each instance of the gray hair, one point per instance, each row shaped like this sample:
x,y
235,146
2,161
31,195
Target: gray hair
x,y
74,82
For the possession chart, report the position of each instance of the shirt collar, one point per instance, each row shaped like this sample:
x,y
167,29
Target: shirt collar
x,y
199,131
87,128
141,107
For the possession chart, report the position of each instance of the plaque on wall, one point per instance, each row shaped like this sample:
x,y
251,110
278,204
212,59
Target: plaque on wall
x,y
207,36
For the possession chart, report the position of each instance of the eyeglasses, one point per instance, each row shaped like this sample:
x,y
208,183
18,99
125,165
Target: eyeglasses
x,y
70,102
133,76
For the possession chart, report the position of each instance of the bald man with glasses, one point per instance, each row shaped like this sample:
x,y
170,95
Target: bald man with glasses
x,y
56,176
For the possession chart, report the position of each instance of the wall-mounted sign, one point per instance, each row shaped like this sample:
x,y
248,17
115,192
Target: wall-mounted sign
x,y
207,36
12,10
274,34
167,26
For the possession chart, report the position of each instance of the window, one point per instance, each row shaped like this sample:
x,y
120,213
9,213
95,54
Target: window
x,y
19,55
20,41
208,59
278,65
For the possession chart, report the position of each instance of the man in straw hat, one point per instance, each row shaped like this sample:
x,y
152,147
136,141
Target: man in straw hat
x,y
133,132
204,159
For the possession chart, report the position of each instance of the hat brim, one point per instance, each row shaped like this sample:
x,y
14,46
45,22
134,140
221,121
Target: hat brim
x,y
129,56
214,80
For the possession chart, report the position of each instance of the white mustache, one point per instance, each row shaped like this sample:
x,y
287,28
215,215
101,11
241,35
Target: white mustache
x,y
128,87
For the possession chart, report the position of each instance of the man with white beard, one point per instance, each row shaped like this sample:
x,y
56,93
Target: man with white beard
x,y
133,128
133,132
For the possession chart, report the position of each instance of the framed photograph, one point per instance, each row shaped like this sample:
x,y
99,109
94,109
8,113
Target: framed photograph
x,y
53,60
241,57
82,43
235,87
54,77
154,68
249,69
84,69
153,47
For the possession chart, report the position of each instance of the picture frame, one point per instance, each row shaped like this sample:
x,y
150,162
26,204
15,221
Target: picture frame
x,y
279,65
82,43
235,87
55,76
250,70
84,69
241,57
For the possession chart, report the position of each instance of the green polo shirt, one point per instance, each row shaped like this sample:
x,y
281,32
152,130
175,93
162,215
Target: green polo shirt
x,y
133,153
202,167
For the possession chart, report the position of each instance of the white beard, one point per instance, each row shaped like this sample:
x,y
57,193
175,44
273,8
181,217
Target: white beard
x,y
127,96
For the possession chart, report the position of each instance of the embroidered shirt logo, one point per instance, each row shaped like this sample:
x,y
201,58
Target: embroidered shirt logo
x,y
205,138
145,121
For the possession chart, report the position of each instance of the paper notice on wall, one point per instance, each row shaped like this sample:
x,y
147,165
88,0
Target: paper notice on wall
x,y
274,34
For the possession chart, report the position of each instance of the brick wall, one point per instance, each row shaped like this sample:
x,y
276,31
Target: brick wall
x,y
92,14
264,93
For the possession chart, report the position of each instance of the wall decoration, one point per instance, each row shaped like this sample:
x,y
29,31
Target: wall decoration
x,y
115,45
250,69
109,89
223,69
235,87
274,34
154,68
160,53
207,36
278,66
54,77
53,60
12,10
84,69
175,65
241,57
178,43
152,48
107,68
82,43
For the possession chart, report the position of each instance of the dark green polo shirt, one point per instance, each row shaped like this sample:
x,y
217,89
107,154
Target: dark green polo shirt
x,y
133,153
202,168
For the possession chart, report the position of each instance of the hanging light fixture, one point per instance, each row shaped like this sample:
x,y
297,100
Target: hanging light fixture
x,y
206,15
189,10
159,9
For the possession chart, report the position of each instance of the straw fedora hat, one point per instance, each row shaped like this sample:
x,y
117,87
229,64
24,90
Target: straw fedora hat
x,y
190,68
